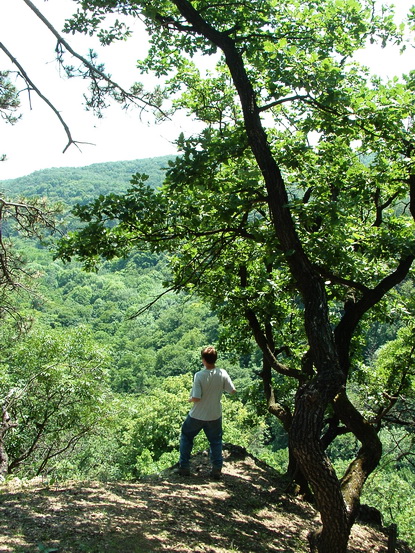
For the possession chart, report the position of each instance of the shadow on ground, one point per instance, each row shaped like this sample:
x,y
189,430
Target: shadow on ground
x,y
246,511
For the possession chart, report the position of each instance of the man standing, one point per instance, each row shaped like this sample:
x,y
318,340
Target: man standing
x,y
206,413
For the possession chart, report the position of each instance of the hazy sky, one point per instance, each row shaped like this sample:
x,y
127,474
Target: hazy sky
x,y
37,141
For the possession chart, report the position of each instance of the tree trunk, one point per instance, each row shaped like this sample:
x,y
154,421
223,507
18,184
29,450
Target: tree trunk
x,y
299,483
367,458
4,458
305,443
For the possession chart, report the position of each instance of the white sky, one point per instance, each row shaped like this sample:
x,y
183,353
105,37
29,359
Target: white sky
x,y
37,140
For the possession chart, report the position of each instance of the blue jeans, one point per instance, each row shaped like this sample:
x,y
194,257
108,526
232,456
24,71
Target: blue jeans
x,y
190,429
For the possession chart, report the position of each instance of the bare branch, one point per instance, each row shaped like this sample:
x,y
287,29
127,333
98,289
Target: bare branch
x,y
32,86
125,95
29,220
147,306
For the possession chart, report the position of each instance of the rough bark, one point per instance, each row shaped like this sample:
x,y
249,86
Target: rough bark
x,y
305,442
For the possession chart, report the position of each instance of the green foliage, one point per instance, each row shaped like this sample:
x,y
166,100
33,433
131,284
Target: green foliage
x,y
278,460
54,386
393,494
81,184
390,380
154,421
395,364
162,341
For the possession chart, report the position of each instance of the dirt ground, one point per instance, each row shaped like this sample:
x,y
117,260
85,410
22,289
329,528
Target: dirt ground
x,y
247,511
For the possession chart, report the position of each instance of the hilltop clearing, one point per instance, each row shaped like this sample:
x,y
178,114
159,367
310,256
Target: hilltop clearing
x,y
247,511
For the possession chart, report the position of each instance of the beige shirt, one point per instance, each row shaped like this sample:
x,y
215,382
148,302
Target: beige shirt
x,y
208,386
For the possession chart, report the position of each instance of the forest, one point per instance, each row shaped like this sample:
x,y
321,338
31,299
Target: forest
x,y
97,385
79,336
283,232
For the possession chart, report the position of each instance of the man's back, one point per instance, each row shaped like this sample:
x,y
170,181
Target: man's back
x,y
208,386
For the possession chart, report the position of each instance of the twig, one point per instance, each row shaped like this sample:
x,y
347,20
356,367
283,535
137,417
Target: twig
x,y
88,64
43,97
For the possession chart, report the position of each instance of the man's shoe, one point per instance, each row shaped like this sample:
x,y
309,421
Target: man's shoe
x,y
183,471
216,473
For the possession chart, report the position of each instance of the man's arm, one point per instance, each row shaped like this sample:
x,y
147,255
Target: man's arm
x,y
194,399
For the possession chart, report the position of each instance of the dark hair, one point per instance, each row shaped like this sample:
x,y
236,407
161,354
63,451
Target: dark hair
x,y
210,355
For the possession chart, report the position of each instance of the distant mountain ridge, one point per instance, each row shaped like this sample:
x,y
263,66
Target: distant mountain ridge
x,y
80,184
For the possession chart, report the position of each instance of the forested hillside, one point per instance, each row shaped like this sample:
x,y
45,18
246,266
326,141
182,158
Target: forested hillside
x,y
84,325
98,392
165,340
80,184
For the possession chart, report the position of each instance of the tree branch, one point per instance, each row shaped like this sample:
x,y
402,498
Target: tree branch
x,y
353,315
32,86
265,347
283,101
344,281
94,70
